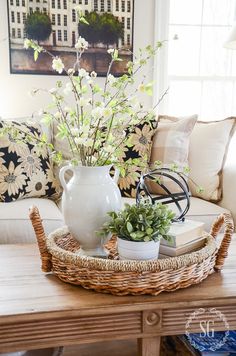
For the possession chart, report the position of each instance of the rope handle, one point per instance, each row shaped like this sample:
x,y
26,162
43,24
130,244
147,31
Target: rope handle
x,y
222,253
41,239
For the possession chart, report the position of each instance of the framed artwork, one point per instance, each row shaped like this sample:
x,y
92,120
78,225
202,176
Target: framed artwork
x,y
53,24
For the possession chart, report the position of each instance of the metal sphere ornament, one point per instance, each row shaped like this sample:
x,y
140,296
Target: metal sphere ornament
x,y
157,176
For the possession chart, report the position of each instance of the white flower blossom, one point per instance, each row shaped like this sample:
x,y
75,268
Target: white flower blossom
x,y
68,89
110,51
75,131
83,73
109,149
83,102
107,112
27,43
58,65
80,140
93,74
81,44
111,79
88,142
58,115
84,130
53,91
97,113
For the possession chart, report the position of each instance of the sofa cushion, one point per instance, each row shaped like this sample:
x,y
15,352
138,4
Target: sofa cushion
x,y
171,147
25,168
171,140
138,149
15,225
36,117
200,210
208,149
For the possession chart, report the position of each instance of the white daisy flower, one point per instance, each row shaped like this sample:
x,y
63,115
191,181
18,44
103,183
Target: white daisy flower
x,y
13,144
12,179
30,163
37,185
1,159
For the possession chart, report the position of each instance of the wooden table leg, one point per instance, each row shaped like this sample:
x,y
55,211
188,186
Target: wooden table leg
x,y
149,346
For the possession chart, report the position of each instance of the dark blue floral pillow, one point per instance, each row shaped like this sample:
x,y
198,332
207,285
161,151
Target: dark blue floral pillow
x,y
25,167
135,156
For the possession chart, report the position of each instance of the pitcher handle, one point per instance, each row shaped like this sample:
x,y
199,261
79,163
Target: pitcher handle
x,y
62,175
116,174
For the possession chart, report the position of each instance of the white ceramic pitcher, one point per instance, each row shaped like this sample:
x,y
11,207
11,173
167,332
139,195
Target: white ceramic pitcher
x,y
86,199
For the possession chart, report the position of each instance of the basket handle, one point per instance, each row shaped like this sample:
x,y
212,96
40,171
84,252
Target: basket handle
x,y
41,239
222,253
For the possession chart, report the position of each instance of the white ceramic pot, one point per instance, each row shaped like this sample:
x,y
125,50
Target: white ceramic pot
x,y
86,199
133,250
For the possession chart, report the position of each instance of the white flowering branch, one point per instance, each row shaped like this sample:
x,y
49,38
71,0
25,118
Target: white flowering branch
x,y
90,126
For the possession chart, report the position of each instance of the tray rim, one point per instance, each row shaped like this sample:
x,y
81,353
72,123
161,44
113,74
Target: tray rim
x,y
96,263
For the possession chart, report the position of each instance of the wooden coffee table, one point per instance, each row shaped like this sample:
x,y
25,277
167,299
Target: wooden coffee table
x,y
37,310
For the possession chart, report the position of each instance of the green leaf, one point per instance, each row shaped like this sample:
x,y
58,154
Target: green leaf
x,y
129,227
96,89
115,54
83,20
47,119
36,55
140,234
149,231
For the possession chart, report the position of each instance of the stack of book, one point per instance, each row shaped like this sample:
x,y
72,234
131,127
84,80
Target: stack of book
x,y
185,237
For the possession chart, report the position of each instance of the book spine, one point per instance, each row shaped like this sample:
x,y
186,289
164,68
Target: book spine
x,y
170,243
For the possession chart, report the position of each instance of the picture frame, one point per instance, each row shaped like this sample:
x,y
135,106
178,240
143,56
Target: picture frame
x,y
62,15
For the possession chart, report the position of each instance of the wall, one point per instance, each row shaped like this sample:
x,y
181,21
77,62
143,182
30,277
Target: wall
x,y
15,100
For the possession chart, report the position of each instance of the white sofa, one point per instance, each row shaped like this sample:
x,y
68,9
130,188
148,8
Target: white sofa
x,y
15,226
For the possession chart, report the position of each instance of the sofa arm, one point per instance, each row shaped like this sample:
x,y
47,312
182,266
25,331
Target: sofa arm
x,y
229,190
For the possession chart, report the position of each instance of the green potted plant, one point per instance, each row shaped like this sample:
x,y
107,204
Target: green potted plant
x,y
139,229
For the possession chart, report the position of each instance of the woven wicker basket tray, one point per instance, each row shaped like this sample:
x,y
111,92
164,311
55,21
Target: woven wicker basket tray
x,y
58,254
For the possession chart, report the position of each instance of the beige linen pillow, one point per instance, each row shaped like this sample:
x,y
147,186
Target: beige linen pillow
x,y
171,146
208,149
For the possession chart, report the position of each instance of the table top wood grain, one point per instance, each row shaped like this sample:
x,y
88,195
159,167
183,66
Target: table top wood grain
x,y
25,289
37,310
